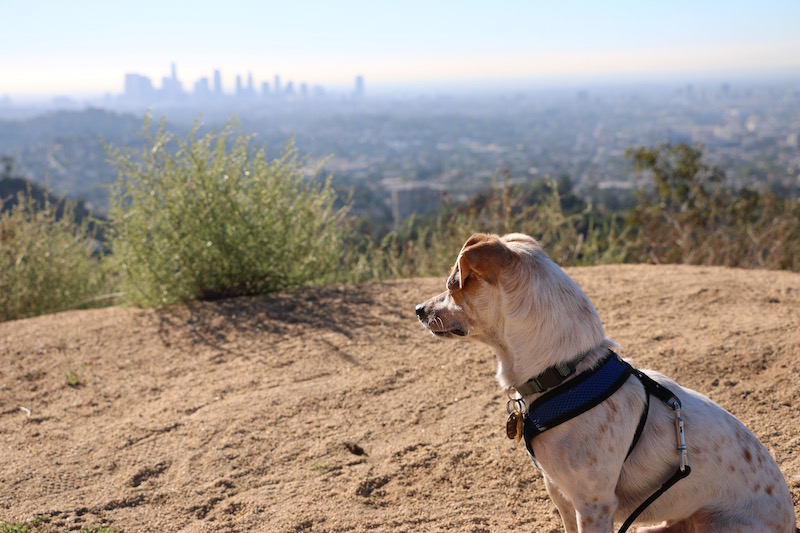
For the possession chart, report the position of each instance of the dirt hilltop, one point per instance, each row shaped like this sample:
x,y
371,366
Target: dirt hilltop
x,y
333,410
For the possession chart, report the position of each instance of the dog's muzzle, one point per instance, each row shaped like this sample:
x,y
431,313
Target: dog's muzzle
x,y
435,325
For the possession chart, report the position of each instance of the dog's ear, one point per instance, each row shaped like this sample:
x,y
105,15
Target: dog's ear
x,y
457,275
483,254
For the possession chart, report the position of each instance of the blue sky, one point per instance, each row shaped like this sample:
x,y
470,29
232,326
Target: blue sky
x,y
86,46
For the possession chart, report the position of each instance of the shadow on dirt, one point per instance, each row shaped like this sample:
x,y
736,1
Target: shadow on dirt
x,y
339,309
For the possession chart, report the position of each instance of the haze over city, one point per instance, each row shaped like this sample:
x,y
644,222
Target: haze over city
x,y
85,48
410,98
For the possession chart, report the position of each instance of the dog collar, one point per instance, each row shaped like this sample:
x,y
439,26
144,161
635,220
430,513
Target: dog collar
x,y
552,377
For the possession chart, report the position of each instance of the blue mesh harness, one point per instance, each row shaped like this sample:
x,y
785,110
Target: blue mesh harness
x,y
575,397
589,389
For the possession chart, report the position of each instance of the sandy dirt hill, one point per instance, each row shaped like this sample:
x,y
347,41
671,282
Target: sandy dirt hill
x,y
333,410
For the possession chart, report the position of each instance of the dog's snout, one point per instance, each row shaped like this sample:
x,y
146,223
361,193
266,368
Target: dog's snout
x,y
421,311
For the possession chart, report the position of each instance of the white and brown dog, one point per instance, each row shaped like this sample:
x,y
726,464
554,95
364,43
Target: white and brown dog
x,y
507,293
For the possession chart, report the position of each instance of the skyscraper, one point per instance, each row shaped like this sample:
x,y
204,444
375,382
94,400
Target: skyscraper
x,y
277,84
217,83
359,91
171,88
138,89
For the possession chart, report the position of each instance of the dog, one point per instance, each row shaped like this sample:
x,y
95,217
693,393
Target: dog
x,y
507,293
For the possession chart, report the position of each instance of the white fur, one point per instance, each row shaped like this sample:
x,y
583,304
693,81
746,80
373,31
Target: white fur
x,y
535,316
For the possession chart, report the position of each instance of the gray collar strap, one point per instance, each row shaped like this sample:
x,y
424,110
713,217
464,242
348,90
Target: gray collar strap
x,y
552,377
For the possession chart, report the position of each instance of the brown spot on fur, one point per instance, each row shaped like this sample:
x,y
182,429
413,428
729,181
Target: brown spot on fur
x,y
747,456
768,489
605,509
732,468
757,488
595,499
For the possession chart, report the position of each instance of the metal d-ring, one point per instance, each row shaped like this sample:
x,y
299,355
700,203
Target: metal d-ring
x,y
515,405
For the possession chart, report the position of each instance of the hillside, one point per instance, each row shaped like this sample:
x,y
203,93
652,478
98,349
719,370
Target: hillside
x,y
333,410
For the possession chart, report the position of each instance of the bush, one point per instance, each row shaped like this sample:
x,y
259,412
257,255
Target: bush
x,y
47,261
208,217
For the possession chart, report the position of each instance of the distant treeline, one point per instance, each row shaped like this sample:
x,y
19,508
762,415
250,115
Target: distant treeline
x,y
211,216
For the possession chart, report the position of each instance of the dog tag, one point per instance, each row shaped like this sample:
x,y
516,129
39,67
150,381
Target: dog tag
x,y
512,424
520,427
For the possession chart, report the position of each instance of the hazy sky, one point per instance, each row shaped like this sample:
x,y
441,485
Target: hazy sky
x,y
87,46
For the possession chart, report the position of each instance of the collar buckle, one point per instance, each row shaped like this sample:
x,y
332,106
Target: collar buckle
x,y
552,377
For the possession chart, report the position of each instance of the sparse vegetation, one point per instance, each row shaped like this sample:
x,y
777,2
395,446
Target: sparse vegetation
x,y
72,374
48,262
689,216
210,216
39,524
570,230
72,378
692,217
5,527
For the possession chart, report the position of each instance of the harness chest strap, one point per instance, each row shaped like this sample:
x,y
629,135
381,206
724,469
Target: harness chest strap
x,y
575,397
589,389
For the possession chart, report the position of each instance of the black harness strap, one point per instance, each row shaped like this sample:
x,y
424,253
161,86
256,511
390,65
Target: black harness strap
x,y
652,387
677,476
642,423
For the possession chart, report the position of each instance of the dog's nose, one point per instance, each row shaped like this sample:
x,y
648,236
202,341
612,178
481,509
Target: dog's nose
x,y
421,311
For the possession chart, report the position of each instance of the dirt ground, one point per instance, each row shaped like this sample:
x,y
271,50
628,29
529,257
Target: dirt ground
x,y
333,410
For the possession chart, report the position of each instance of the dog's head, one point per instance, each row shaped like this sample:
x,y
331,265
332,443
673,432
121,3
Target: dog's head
x,y
506,292
470,306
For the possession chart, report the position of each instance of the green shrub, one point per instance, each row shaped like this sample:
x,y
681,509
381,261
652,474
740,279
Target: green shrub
x,y
47,262
209,217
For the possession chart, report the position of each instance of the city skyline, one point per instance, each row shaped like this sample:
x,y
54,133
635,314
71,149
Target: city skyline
x,y
86,47
140,90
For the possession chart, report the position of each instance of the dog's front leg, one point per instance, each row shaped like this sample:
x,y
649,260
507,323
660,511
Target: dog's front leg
x,y
593,515
596,517
565,508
